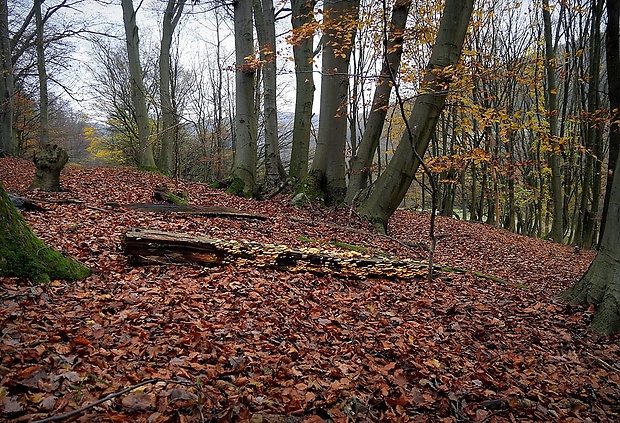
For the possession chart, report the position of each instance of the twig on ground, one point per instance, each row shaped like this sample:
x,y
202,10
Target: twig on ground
x,y
94,404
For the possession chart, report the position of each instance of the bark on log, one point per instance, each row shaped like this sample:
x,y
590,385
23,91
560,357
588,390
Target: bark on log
x,y
163,193
146,246
191,209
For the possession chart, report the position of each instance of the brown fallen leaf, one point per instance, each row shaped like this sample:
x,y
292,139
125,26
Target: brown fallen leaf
x,y
138,401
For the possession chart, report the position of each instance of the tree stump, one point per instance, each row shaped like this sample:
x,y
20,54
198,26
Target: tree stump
x,y
49,162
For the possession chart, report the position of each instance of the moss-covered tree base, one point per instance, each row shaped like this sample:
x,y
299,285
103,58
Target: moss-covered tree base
x,y
22,254
310,187
600,286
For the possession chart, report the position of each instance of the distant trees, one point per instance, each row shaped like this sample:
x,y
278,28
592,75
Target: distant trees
x,y
519,140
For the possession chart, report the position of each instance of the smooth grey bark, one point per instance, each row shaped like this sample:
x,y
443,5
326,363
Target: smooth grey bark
x,y
172,15
594,137
362,160
612,54
244,167
8,144
44,130
304,82
384,196
601,283
138,91
555,155
328,166
265,30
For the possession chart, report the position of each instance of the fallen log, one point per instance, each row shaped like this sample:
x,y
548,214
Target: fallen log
x,y
163,193
191,209
146,246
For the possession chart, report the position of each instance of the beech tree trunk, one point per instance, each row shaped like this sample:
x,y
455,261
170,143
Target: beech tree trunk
x,y
138,91
49,161
384,196
328,166
601,283
302,19
362,160
7,137
612,54
555,155
24,255
44,130
266,33
172,15
244,168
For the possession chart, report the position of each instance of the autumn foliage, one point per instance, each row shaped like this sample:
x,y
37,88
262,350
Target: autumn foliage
x,y
236,343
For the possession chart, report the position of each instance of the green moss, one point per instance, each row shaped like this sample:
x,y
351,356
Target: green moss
x,y
178,199
24,255
216,185
305,239
349,246
310,187
236,187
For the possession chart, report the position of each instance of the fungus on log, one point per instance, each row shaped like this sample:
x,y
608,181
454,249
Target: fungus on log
x,y
149,247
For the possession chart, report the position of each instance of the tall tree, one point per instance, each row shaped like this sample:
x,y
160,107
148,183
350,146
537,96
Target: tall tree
x,y
384,196
244,167
601,283
44,130
172,15
393,49
328,166
7,136
555,155
10,53
612,54
303,23
264,18
138,91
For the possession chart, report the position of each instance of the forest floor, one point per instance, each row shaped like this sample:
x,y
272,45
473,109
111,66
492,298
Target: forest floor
x,y
238,343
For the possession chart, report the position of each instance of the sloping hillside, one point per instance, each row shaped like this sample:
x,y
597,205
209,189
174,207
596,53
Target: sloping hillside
x,y
242,344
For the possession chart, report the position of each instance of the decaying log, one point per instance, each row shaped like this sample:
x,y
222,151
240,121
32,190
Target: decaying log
x,y
30,204
192,209
146,246
163,193
26,204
